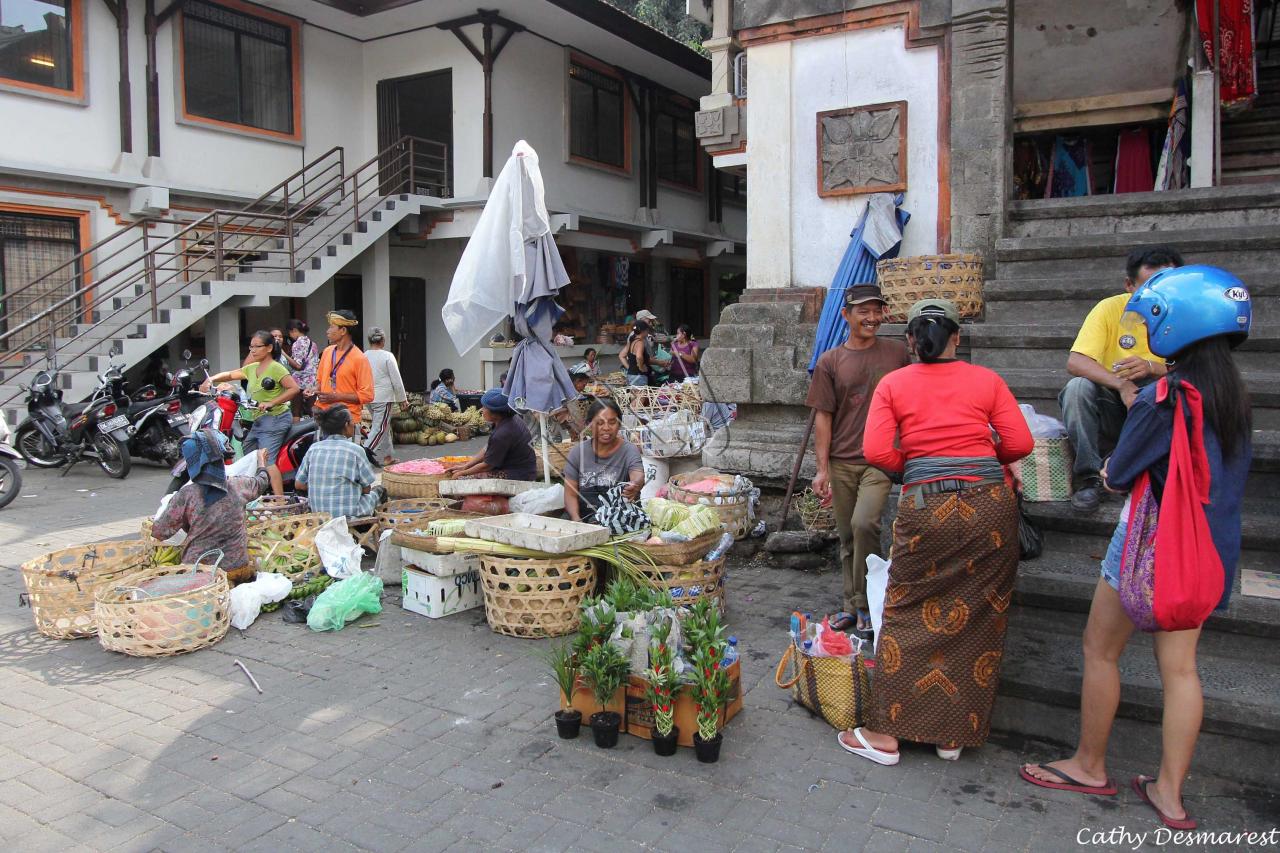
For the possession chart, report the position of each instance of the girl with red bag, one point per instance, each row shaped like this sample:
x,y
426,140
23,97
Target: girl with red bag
x,y
1184,454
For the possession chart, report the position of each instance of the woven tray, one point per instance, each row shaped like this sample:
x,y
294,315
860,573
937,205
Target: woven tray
x,y
689,584
271,507
538,532
412,485
486,486
682,553
166,624
905,281
535,598
60,584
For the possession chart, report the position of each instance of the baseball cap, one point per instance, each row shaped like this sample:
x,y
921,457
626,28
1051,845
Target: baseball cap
x,y
496,401
646,315
860,293
939,308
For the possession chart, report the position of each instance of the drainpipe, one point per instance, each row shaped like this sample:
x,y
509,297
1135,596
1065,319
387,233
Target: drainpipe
x,y
120,11
152,26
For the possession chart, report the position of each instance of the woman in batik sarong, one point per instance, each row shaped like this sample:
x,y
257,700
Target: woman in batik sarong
x,y
955,543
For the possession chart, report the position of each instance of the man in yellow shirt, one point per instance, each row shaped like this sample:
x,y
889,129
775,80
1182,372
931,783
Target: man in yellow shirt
x,y
1109,365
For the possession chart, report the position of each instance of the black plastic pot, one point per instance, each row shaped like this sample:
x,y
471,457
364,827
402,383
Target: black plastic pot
x,y
666,744
707,751
568,723
604,728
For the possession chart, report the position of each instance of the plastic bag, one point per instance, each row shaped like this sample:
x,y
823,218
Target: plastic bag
x,y
1042,426
295,610
245,466
247,599
339,552
390,563
834,644
345,601
631,637
877,583
539,501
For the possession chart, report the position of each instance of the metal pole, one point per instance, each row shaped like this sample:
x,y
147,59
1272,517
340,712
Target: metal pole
x,y
217,247
288,227
795,469
1217,98
149,265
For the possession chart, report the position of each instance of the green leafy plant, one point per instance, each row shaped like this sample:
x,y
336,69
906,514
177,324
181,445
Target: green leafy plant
x,y
661,680
563,663
710,688
604,669
598,619
702,626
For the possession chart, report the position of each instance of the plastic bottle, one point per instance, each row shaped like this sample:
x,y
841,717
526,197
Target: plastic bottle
x,y
808,647
725,543
730,653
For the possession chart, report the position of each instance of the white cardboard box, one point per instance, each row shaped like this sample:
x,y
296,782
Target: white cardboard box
x,y
440,565
435,597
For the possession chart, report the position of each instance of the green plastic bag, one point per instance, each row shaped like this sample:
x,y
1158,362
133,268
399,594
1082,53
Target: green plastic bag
x,y
344,601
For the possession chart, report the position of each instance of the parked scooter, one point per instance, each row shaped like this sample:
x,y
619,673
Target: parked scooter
x,y
10,467
55,434
158,424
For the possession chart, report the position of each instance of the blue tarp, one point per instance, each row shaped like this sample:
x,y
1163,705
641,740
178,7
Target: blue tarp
x,y
858,266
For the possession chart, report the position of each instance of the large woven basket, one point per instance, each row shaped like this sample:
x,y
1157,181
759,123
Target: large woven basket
x,y
302,527
641,404
732,507
271,507
162,625
682,553
61,584
535,598
689,584
557,453
905,281
412,485
403,511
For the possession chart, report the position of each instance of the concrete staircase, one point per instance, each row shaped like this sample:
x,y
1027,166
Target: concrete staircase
x,y
1251,136
1062,256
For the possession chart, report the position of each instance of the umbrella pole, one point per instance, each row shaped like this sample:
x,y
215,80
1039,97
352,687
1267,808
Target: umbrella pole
x,y
546,460
795,469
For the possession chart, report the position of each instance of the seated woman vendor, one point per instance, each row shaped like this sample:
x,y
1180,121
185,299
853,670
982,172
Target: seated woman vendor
x,y
210,508
596,466
508,455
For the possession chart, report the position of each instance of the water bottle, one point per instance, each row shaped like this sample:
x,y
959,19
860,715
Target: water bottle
x,y
725,543
808,647
730,653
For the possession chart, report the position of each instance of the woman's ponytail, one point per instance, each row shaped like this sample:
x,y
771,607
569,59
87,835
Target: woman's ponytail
x,y
931,336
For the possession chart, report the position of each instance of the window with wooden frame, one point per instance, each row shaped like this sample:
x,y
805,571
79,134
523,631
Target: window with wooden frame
x,y
42,47
597,115
32,245
240,68
677,146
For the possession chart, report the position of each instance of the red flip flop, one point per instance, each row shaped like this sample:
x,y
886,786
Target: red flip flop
x,y
1140,784
1067,783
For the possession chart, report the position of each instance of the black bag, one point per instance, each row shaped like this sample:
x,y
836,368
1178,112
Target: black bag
x,y
1030,539
295,610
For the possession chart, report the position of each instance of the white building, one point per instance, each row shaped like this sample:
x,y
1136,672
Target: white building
x,y
182,176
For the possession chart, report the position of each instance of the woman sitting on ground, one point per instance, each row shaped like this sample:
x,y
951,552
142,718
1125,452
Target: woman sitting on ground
x,y
442,390
596,466
955,543
507,455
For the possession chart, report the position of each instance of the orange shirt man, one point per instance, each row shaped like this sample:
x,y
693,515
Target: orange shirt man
x,y
343,375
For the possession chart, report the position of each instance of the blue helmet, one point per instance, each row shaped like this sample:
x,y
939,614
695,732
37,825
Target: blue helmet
x,y
1182,305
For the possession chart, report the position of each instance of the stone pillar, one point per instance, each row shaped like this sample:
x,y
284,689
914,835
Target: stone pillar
x,y
1202,104
319,304
222,338
981,156
769,170
375,284
660,292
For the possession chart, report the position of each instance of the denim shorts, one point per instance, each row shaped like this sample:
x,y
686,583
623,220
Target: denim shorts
x,y
1111,562
268,432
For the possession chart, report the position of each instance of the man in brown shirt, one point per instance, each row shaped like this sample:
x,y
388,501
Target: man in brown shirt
x,y
844,380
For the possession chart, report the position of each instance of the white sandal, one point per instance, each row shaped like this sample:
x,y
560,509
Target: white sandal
x,y
867,751
949,754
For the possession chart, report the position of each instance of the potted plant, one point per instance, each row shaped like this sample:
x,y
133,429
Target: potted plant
x,y
564,668
710,695
604,670
702,627
661,685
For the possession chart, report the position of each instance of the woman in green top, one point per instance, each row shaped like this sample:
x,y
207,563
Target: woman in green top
x,y
270,390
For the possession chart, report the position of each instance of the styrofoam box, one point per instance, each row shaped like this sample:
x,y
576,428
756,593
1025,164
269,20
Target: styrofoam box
x,y
435,597
537,532
462,488
440,565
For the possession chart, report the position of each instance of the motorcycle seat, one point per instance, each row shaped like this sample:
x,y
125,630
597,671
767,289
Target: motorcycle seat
x,y
302,427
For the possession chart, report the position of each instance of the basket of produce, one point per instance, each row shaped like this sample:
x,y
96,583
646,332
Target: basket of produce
x,y
905,281
418,478
304,585
271,507
814,514
163,611
292,528
729,495
535,598
678,553
60,584
689,583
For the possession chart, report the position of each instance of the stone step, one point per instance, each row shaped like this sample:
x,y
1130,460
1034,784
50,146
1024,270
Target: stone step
x,y
1033,301
1249,144
1103,254
1251,160
1259,532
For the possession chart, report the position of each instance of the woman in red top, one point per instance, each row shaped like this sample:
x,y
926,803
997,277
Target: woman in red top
x,y
955,543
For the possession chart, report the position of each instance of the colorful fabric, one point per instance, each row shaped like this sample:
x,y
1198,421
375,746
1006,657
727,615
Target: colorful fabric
x,y
1171,174
1133,162
1069,168
306,353
1237,73
219,525
336,472
954,562
1101,338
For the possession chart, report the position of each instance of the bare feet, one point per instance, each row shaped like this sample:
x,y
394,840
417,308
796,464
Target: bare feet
x,y
1073,768
884,743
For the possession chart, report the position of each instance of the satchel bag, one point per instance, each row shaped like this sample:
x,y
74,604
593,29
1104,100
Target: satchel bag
x,y
836,689
1171,575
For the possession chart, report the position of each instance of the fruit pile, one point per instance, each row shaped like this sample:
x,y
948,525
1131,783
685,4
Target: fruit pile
x,y
435,423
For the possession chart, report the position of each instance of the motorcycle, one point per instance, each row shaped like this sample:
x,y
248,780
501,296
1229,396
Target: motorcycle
x,y
56,434
158,424
10,470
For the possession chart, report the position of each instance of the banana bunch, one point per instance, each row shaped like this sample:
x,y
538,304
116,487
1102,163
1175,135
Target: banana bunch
x,y
309,586
168,555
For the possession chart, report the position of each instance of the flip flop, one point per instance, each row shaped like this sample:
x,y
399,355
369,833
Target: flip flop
x,y
867,751
1140,784
842,621
1067,783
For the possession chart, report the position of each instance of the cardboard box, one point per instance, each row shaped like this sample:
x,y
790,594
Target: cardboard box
x,y
585,702
640,712
440,565
435,597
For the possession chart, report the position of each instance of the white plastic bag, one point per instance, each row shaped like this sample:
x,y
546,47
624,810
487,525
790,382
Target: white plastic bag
x,y
877,583
247,599
390,563
245,466
636,646
339,552
1042,426
538,501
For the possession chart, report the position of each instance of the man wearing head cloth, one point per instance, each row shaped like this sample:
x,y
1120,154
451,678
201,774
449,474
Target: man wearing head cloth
x,y
343,375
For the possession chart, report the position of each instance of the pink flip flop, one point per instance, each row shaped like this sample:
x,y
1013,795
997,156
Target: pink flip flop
x,y
1140,784
1067,783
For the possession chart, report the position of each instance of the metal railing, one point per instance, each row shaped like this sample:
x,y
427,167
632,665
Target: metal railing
x,y
150,262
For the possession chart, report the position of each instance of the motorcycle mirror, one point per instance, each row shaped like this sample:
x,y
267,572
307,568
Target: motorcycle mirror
x,y
186,355
204,362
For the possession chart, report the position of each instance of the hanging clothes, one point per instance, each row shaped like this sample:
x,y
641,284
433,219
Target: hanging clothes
x,y
1172,171
1028,170
1069,168
1238,73
1133,162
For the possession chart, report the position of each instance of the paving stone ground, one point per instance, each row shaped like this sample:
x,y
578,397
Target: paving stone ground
x,y
413,734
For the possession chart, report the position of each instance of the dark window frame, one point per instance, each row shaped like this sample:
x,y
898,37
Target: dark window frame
x,y
590,68
76,92
733,188
679,111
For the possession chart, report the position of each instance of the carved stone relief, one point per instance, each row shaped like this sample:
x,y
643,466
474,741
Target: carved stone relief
x,y
863,149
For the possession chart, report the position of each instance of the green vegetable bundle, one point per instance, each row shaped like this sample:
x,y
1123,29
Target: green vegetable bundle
x,y
700,520
665,514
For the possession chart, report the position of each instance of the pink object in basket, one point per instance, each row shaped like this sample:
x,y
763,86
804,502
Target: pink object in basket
x,y
418,466
708,486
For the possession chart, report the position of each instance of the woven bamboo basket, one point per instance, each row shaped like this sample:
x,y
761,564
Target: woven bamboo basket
x,y
411,485
905,281
163,625
691,583
732,507
271,507
558,453
535,598
682,553
60,584
642,404
814,515
290,558
411,511
300,528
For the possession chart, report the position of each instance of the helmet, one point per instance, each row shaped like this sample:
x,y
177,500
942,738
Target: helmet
x,y
580,369
1183,305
